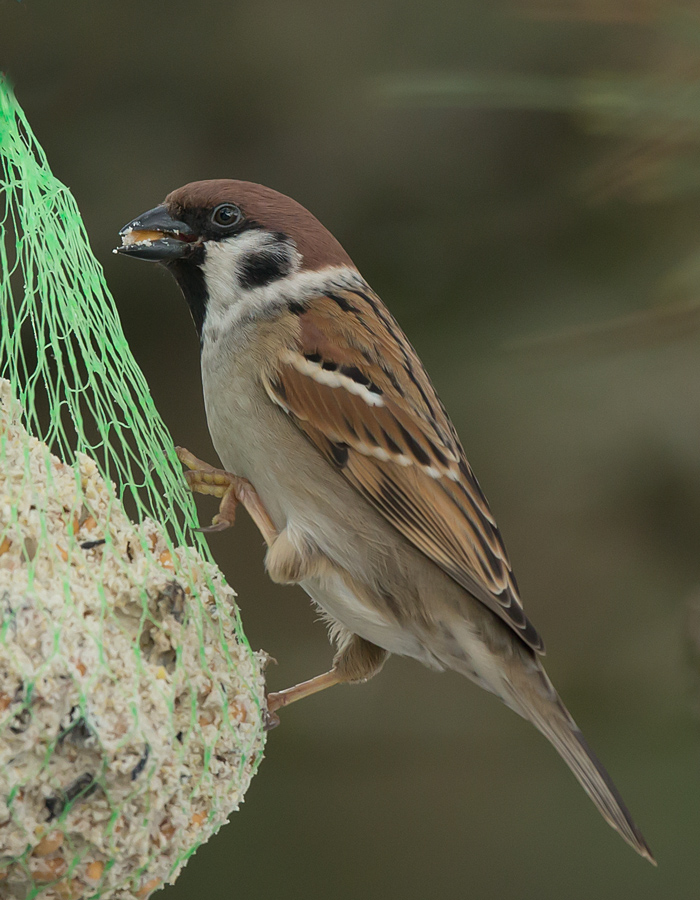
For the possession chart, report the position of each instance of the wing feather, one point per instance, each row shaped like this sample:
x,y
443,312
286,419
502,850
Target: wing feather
x,y
363,398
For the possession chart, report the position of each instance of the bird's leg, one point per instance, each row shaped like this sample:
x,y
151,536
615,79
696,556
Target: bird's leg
x,y
304,689
356,660
232,489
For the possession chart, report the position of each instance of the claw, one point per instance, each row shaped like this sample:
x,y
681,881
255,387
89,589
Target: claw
x,y
220,525
270,720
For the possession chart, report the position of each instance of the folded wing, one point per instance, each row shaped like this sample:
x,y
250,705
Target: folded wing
x,y
363,398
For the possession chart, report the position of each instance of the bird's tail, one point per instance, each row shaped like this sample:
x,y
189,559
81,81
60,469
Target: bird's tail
x,y
548,714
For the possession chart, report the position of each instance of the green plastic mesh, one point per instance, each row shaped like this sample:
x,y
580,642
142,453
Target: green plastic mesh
x,y
130,700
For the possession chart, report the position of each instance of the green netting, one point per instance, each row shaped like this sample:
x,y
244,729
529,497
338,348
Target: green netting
x,y
130,700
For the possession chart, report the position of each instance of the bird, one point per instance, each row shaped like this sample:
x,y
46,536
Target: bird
x,y
333,438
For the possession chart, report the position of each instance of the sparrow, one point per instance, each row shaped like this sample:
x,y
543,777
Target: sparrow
x,y
333,438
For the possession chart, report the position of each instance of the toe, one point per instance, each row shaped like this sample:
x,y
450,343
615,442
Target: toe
x,y
270,720
218,524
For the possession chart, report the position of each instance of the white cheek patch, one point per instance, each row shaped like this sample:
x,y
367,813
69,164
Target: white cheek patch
x,y
219,270
232,301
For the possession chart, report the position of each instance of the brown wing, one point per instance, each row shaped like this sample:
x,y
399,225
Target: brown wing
x,y
362,396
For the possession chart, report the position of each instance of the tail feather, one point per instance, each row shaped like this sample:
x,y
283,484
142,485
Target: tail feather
x,y
549,715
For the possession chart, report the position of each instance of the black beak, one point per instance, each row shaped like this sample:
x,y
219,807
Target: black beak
x,y
156,236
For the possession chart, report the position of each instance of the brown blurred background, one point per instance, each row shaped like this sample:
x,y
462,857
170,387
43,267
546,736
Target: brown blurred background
x,y
521,183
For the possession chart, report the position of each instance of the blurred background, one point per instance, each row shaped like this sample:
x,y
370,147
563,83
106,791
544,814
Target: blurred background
x,y
520,182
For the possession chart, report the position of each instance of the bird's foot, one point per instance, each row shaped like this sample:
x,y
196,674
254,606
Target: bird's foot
x,y
205,479
232,489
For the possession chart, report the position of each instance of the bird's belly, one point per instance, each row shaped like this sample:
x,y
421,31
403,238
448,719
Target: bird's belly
x,y
341,604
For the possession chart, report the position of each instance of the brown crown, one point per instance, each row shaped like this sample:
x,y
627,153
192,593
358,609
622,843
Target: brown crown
x,y
269,209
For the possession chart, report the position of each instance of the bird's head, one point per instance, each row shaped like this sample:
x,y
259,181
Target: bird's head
x,y
226,238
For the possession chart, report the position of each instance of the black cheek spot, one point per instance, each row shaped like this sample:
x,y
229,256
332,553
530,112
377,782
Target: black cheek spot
x,y
313,357
329,366
260,269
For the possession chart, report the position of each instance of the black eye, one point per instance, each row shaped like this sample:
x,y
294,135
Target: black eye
x,y
226,215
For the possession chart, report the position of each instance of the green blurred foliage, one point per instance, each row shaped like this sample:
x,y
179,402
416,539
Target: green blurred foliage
x,y
519,181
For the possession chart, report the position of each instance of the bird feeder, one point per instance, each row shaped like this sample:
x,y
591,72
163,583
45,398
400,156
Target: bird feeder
x,y
130,700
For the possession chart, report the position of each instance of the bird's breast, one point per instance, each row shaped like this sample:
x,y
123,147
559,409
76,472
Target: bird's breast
x,y
255,439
